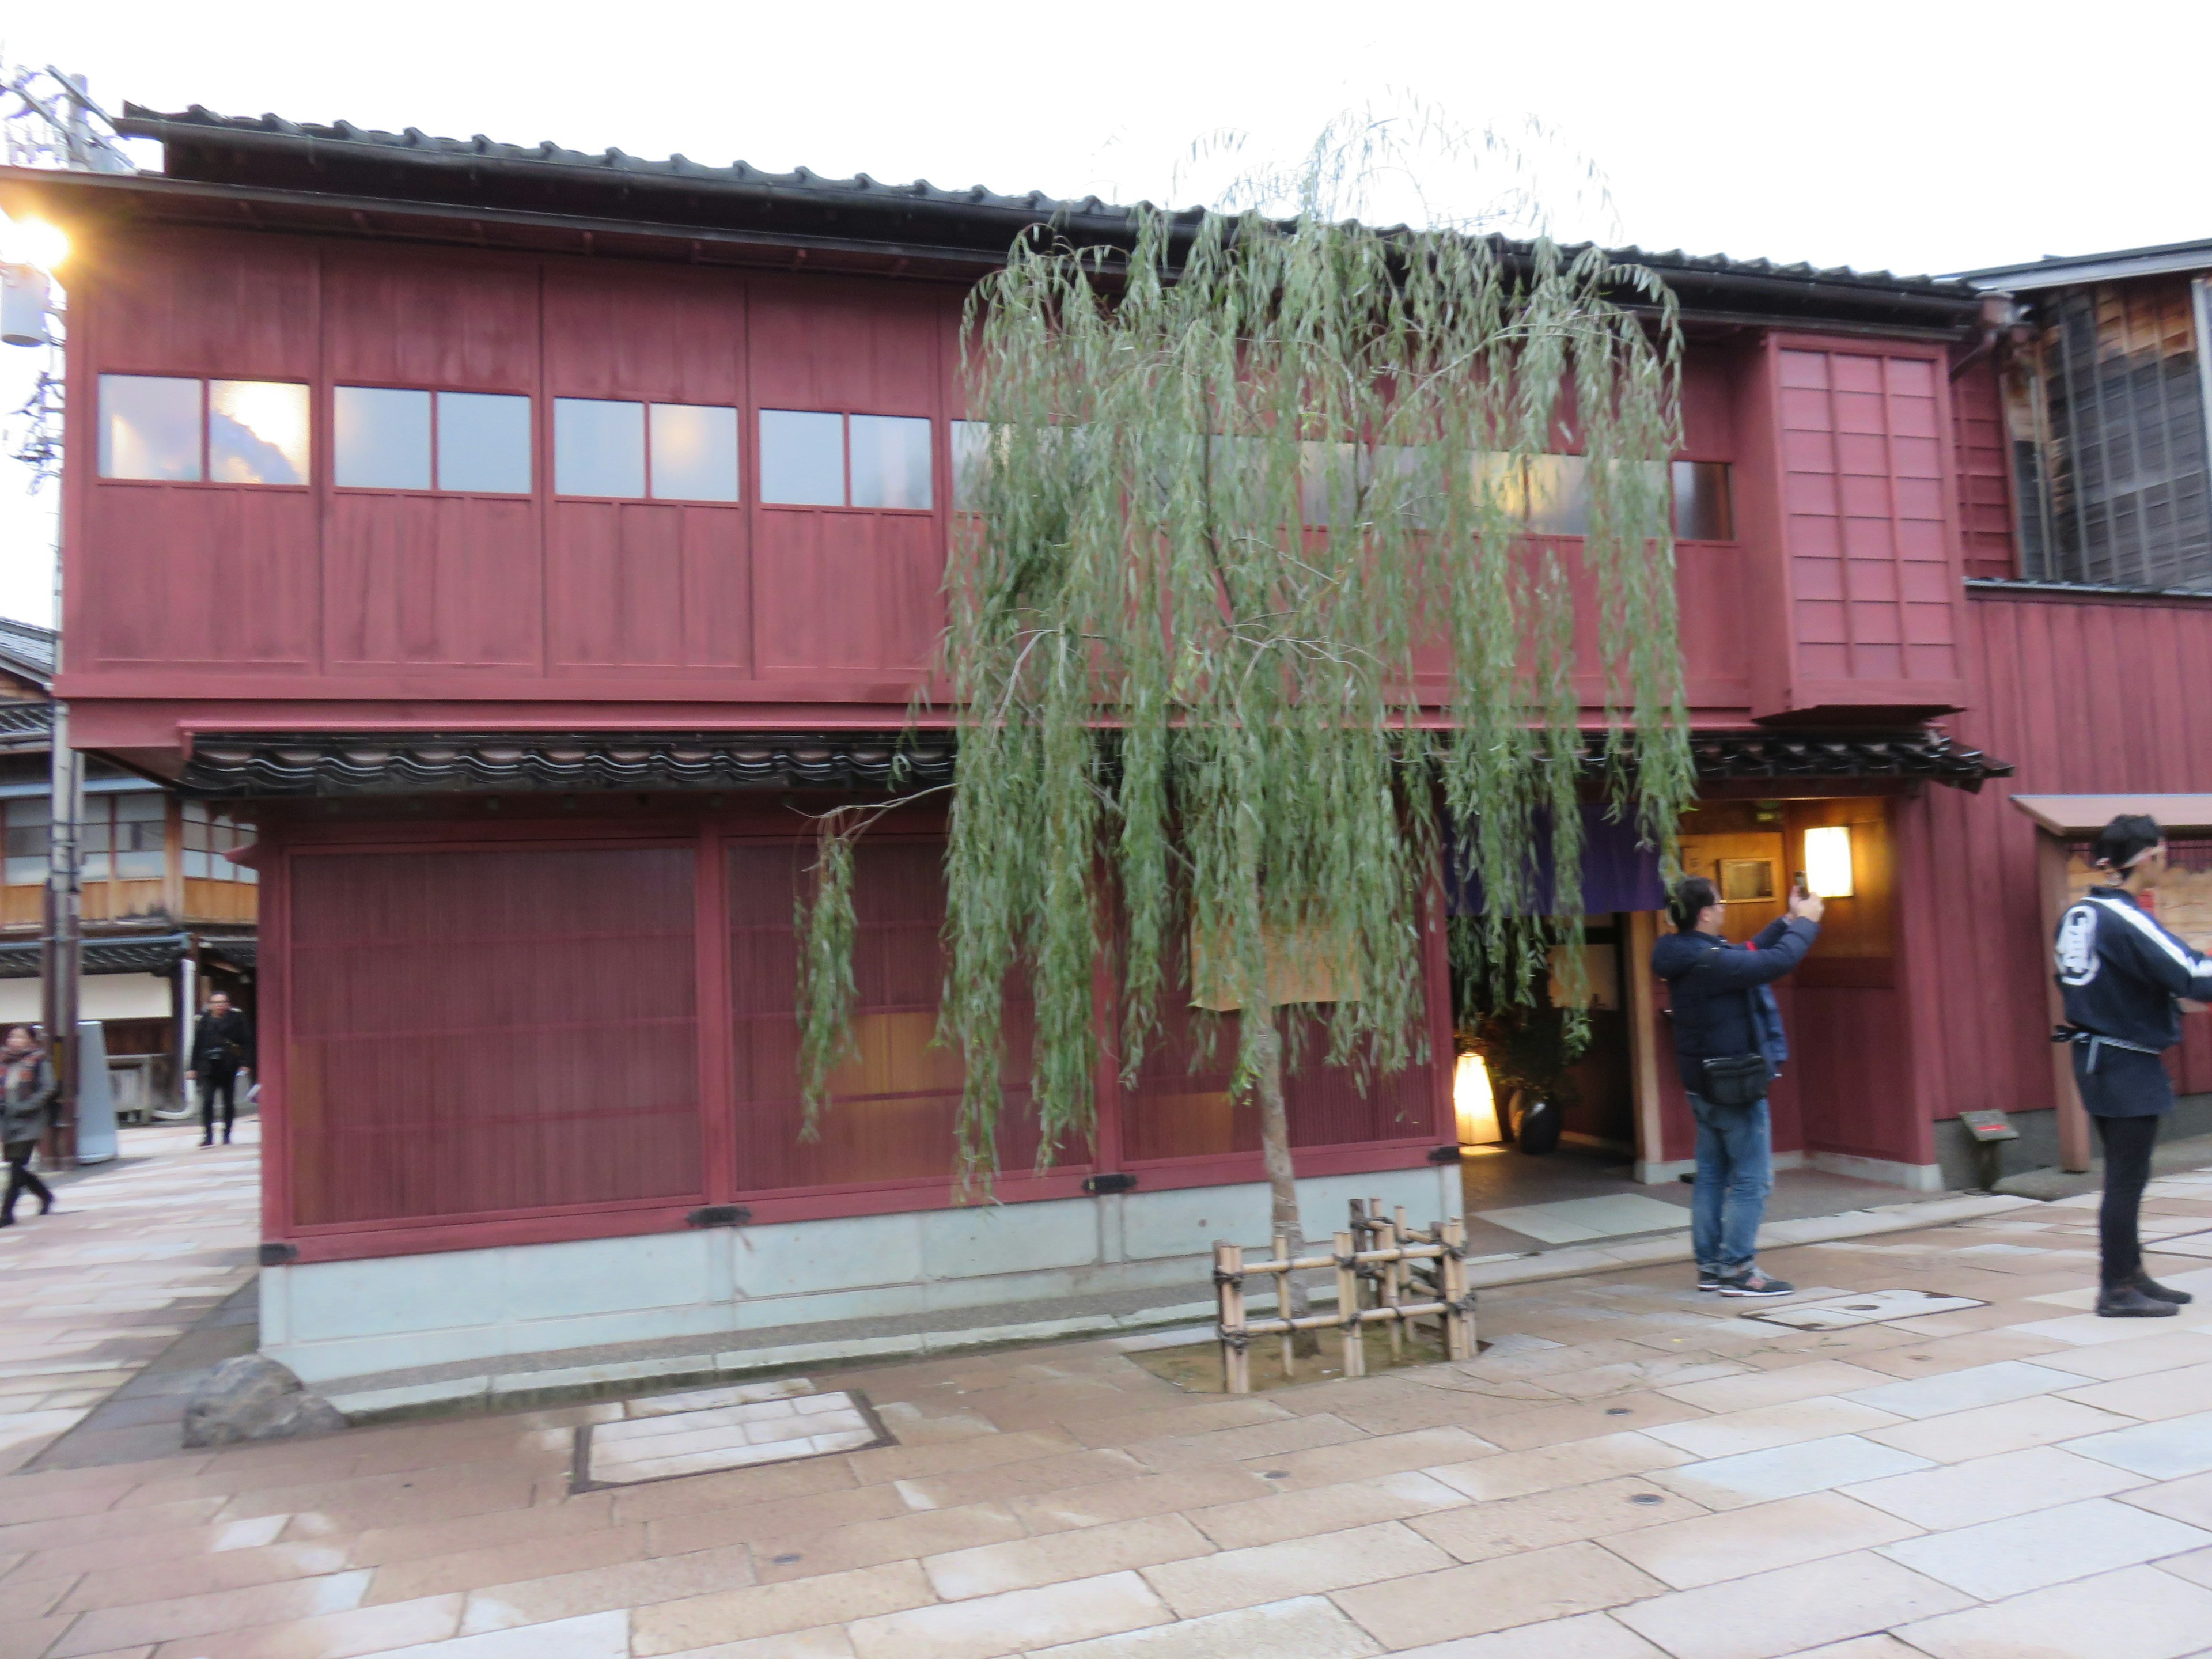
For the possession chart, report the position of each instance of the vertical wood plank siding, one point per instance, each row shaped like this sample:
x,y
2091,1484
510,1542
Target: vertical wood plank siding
x,y
897,1101
2084,697
1981,456
487,1033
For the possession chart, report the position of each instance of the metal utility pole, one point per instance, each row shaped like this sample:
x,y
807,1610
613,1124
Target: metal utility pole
x,y
61,959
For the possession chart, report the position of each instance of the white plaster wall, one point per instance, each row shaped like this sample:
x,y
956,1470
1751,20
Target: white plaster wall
x,y
354,1318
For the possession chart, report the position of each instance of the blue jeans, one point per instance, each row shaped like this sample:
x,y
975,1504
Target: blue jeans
x,y
1735,1172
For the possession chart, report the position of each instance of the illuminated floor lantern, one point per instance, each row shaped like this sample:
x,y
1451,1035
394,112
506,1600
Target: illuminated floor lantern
x,y
1473,1102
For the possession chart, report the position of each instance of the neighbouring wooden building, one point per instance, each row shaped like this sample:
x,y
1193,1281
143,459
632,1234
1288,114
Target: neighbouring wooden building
x,y
517,535
165,911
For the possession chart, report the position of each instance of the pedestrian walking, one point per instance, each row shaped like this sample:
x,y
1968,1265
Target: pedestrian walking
x,y
1729,1043
222,1046
27,1099
2123,976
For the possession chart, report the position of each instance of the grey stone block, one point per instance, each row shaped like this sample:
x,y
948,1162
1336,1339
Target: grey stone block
x,y
251,1397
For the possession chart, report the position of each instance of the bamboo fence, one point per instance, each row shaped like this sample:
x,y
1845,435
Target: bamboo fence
x,y
1386,1273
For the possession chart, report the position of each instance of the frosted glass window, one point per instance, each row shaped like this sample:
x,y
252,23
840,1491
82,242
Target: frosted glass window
x,y
891,461
695,453
1702,512
483,443
141,824
149,428
382,438
599,447
802,458
971,453
29,825
1559,494
257,432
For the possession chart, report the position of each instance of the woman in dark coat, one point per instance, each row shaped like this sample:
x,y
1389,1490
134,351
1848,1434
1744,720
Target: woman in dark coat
x,y
27,1095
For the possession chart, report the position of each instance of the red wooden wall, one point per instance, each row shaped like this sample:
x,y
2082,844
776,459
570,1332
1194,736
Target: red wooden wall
x,y
489,1031
1982,459
233,594
228,591
1847,503
2084,696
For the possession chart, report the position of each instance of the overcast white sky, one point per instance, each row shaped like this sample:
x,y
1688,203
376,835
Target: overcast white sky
x,y
1935,134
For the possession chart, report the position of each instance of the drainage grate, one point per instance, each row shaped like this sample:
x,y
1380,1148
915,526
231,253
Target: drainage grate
x,y
1868,1307
659,1439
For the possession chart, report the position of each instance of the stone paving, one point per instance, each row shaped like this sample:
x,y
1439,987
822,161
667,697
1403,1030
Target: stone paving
x,y
1628,1471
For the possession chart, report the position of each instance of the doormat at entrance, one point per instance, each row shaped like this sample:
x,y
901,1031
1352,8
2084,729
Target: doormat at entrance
x,y
660,1444
1868,1307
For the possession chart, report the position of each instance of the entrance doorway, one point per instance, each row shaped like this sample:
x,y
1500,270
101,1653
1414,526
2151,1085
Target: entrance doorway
x,y
1626,1133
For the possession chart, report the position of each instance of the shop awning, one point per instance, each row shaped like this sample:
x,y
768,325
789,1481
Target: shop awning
x,y
2073,818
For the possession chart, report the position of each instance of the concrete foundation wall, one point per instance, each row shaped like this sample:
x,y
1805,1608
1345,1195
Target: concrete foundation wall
x,y
2038,1145
354,1318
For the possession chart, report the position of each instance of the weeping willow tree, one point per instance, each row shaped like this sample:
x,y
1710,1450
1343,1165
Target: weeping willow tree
x,y
1242,592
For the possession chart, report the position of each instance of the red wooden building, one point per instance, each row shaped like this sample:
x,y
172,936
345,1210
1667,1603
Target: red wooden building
x,y
529,536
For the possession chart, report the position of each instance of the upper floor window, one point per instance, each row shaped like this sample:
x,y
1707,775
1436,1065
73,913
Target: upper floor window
x,y
809,458
630,451
125,836
29,840
1703,511
169,430
461,442
209,833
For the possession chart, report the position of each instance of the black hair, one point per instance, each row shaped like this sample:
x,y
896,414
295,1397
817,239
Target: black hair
x,y
1689,900
2126,838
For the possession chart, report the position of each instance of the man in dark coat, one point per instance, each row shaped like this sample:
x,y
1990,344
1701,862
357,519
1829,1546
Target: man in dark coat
x,y
2124,978
1724,1010
222,1046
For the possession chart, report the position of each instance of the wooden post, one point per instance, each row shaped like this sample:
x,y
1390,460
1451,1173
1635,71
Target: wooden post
x,y
1229,1289
1347,1306
1386,1238
1451,1279
1283,1307
2075,1151
1644,1046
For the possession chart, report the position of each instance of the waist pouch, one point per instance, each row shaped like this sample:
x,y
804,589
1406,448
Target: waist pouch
x,y
1738,1080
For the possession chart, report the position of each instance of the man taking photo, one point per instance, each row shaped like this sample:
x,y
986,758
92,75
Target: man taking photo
x,y
1729,1043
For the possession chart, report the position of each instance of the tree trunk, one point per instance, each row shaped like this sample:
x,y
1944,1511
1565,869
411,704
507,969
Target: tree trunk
x,y
1282,1179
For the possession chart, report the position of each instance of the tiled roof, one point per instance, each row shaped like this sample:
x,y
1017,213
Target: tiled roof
x,y
26,724
1921,752
157,955
28,649
318,765
266,765
199,128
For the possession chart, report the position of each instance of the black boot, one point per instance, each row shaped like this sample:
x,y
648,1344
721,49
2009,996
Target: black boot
x,y
2158,1292
2126,1302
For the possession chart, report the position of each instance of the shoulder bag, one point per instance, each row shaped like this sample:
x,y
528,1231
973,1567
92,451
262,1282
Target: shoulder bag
x,y
1739,1079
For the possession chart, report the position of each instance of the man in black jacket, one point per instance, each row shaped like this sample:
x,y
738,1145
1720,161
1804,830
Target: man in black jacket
x,y
1723,1011
223,1045
2122,976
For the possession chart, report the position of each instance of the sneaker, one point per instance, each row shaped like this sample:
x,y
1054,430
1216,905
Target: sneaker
x,y
2126,1302
1710,1278
1752,1282
2158,1292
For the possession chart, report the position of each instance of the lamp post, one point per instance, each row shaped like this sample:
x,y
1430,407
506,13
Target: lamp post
x,y
28,253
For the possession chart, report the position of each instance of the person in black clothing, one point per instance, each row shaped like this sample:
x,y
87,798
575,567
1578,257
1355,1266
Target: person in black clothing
x,y
223,1045
27,1097
1723,1009
2123,976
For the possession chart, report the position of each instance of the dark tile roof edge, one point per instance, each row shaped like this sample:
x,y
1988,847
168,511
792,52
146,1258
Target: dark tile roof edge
x,y
29,650
264,766
203,124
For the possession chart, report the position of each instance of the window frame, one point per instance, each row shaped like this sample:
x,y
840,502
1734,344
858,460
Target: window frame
x,y
939,436
650,495
539,441
101,376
